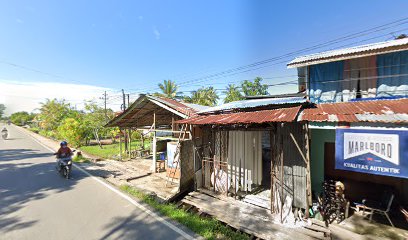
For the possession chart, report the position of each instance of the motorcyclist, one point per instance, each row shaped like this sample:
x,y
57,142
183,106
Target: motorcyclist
x,y
63,152
4,132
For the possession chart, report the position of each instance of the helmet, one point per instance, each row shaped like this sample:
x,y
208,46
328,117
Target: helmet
x,y
63,143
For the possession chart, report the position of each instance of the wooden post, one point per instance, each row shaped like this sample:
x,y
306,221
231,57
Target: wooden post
x,y
194,166
172,122
142,138
130,143
153,168
282,175
125,139
245,172
120,143
308,177
273,151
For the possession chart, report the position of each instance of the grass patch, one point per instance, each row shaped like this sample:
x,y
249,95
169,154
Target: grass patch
x,y
80,159
111,150
209,228
34,129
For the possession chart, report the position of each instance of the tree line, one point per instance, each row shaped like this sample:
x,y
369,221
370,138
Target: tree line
x,y
58,119
208,96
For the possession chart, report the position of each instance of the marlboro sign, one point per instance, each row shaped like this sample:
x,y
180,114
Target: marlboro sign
x,y
381,152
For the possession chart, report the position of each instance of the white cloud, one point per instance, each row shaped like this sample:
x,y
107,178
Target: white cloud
x,y
156,33
26,96
140,17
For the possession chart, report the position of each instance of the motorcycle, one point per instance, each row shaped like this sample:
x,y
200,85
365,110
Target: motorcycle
x,y
4,133
64,166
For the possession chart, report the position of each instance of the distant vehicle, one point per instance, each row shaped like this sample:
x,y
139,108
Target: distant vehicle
x,y
4,133
9,122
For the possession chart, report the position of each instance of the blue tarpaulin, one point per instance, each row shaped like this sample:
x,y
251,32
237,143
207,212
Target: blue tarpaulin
x,y
382,75
325,79
380,152
392,71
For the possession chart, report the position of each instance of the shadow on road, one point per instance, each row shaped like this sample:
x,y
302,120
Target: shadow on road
x,y
130,228
20,154
23,182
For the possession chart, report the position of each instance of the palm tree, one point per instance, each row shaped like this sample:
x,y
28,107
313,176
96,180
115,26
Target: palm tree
x,y
205,96
169,89
232,94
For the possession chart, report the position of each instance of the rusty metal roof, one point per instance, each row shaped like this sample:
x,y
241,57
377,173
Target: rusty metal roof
x,y
140,112
276,115
352,52
387,111
184,108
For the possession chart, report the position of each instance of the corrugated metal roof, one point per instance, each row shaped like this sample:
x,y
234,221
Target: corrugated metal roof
x,y
177,105
134,110
264,116
252,103
388,111
353,52
196,107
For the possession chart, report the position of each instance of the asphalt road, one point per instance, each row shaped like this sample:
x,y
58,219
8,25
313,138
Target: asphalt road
x,y
37,203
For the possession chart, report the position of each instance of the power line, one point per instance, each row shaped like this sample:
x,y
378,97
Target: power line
x,y
331,42
288,55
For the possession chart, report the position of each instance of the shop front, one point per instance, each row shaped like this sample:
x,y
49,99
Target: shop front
x,y
363,145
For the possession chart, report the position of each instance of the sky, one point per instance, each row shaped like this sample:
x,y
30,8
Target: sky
x,y
76,50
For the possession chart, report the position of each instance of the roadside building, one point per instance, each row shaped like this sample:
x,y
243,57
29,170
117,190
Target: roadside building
x,y
157,116
359,123
255,155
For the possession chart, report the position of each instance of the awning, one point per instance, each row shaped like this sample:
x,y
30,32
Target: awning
x,y
140,113
264,116
387,111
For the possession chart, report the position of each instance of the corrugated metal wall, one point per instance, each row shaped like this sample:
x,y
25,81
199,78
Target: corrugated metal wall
x,y
294,167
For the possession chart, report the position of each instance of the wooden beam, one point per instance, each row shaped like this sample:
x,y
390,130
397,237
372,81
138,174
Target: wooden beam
x,y
167,138
299,149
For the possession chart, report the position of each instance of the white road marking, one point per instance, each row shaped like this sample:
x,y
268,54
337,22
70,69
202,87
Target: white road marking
x,y
124,196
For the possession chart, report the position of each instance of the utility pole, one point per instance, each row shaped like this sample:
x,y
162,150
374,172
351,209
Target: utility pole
x,y
128,99
104,99
124,100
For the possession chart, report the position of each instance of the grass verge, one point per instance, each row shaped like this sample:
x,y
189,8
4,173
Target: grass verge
x,y
209,228
111,150
80,159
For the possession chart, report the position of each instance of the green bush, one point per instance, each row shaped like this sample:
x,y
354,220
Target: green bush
x,y
34,129
48,134
73,131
